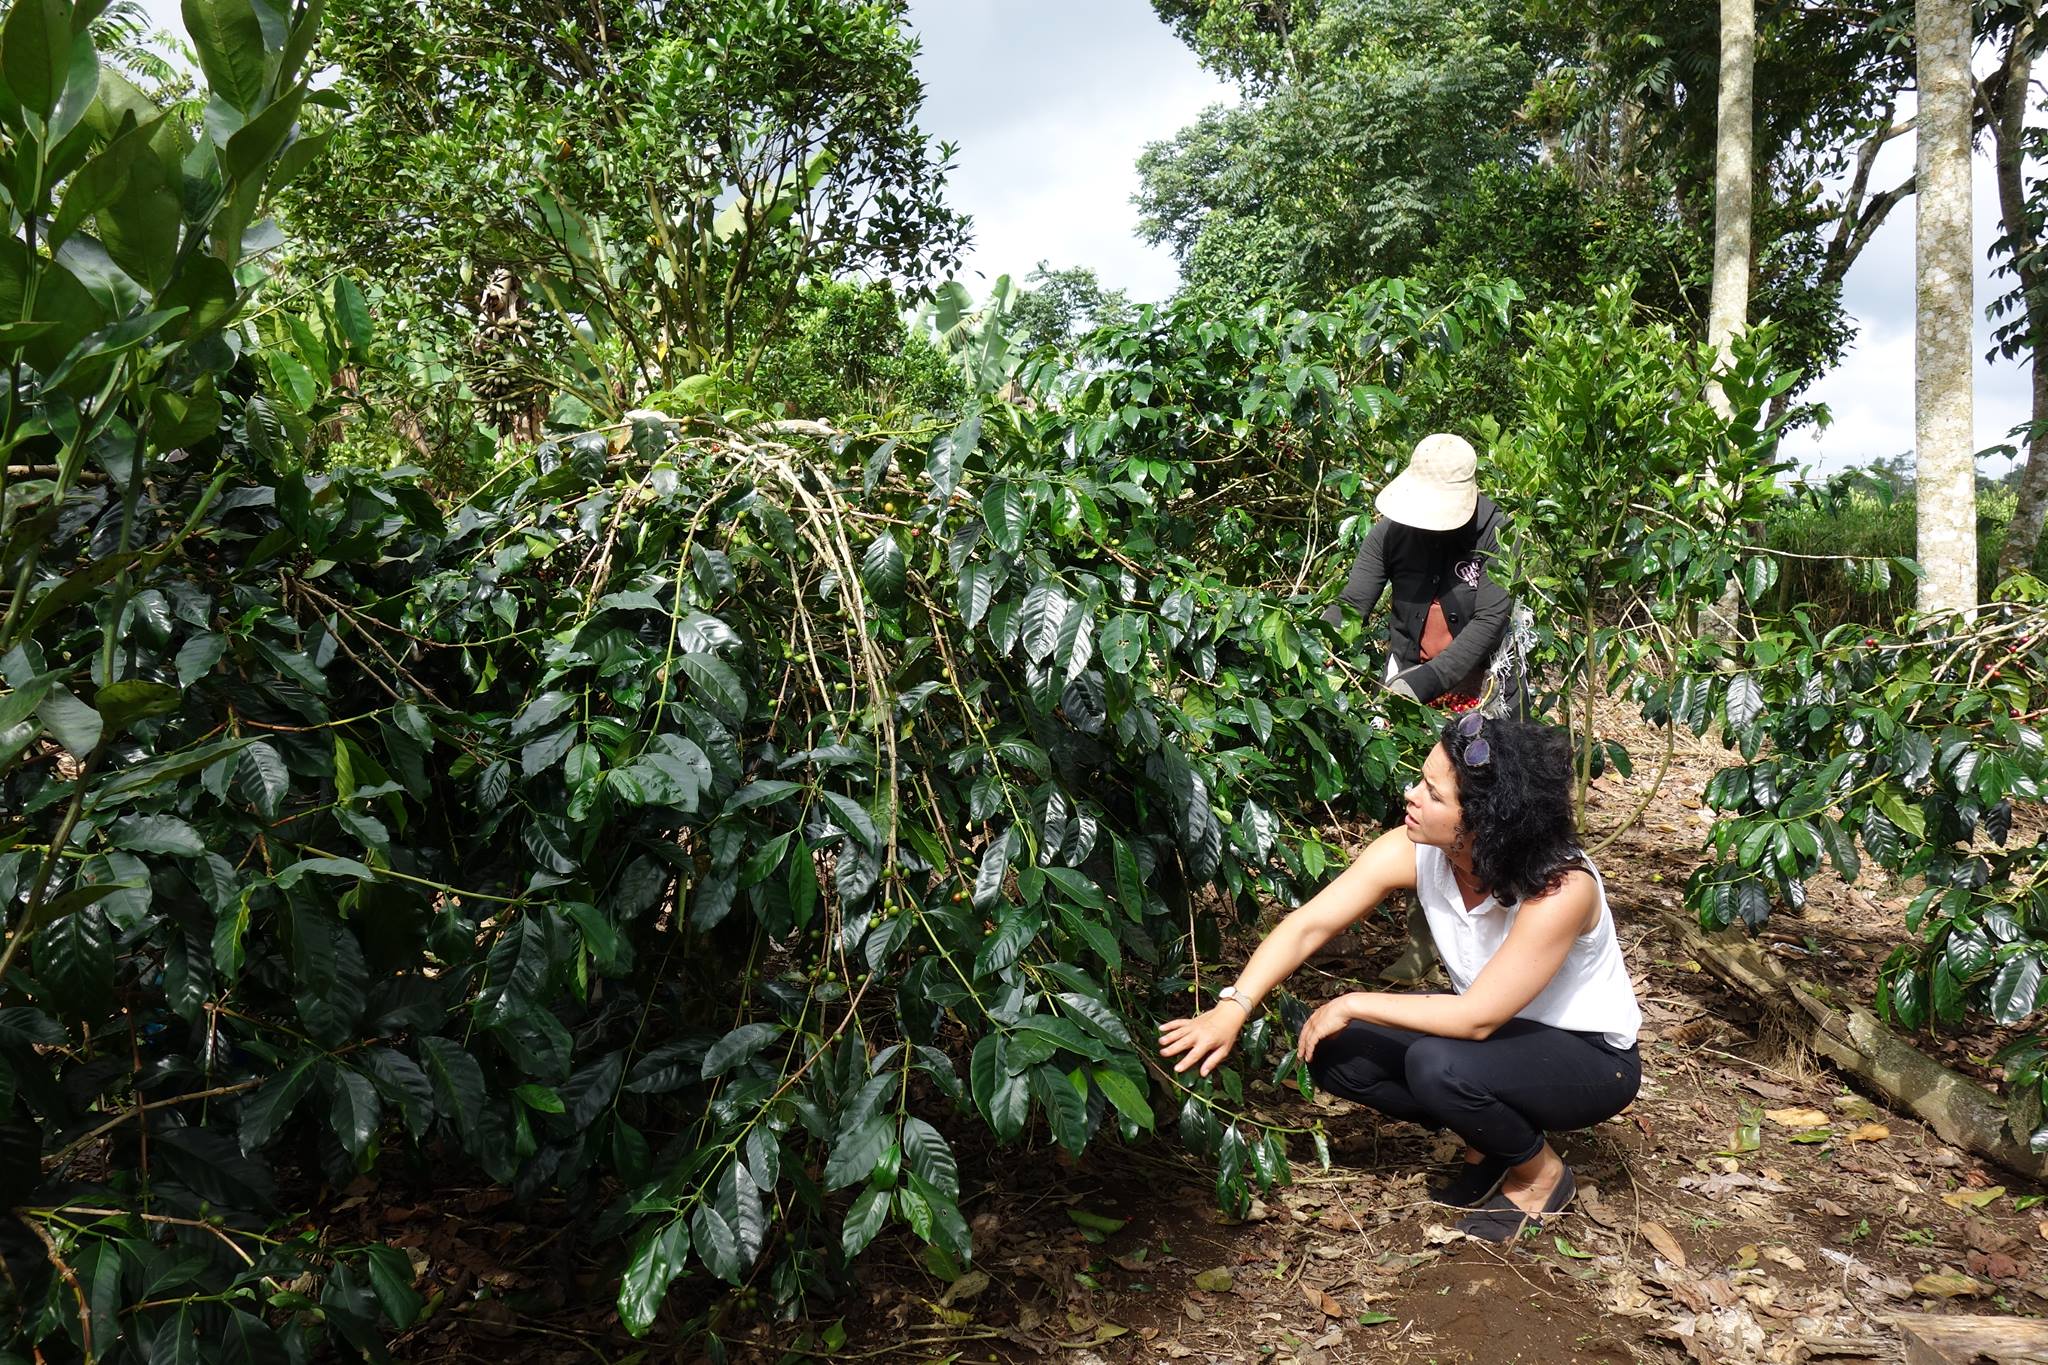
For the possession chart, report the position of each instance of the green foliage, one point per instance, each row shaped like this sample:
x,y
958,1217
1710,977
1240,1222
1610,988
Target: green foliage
x,y
1562,145
127,779
849,352
723,819
2022,247
1631,100
1630,495
715,819
1560,239
1825,78
966,840
1338,173
1280,420
660,184
1846,546
1057,307
1905,754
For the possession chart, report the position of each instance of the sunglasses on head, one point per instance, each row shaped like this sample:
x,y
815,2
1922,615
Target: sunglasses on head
x,y
1477,751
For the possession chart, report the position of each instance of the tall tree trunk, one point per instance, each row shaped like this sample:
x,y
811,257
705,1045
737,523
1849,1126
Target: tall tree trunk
x,y
2006,97
2030,505
1734,185
1734,178
1943,449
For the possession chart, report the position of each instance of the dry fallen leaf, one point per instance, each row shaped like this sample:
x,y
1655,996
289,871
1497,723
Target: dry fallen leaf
x,y
1595,1207
1992,1265
1985,1236
1972,1199
1870,1132
1215,1280
1317,1299
1784,1257
965,1289
1436,1234
2042,1228
1796,1118
1946,1285
1625,1294
1667,1246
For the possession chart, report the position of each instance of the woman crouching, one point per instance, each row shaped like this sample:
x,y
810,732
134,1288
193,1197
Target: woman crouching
x,y
1539,1034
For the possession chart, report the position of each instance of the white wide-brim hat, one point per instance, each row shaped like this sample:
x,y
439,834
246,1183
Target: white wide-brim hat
x,y
1439,490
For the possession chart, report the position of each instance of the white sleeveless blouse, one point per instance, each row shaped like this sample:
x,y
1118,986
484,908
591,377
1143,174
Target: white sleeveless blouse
x,y
1591,992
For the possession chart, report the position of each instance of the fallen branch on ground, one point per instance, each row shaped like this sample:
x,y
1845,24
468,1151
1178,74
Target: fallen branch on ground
x,y
1955,1107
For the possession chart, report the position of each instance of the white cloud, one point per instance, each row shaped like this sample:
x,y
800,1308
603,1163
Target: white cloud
x,y
1871,392
1051,103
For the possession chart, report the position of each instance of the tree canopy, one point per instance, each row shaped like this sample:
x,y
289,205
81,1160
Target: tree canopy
x,y
661,182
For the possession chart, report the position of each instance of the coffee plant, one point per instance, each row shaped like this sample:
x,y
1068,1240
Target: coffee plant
x,y
1630,495
712,821
1907,753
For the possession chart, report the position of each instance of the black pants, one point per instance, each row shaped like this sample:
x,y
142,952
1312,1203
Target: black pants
x,y
1500,1093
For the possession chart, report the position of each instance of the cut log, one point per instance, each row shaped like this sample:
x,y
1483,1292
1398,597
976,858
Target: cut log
x,y
1957,1108
1974,1340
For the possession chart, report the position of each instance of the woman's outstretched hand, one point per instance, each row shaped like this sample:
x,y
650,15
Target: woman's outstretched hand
x,y
1206,1039
1330,1017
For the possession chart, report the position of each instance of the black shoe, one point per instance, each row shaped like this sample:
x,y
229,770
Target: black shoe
x,y
1469,1188
1500,1219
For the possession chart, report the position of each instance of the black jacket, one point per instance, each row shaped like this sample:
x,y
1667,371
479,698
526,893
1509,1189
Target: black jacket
x,y
1422,567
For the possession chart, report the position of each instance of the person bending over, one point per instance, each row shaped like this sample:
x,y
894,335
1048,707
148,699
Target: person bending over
x,y
1539,1032
1434,542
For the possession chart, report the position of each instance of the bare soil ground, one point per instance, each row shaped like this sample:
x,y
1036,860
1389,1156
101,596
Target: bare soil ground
x,y
1748,1207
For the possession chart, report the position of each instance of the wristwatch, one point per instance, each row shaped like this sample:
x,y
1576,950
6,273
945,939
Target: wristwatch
x,y
1235,997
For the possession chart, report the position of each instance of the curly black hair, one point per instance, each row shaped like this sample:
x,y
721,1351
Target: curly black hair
x,y
1517,806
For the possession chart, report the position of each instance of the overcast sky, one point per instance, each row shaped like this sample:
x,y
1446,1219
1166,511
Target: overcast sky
x,y
1052,101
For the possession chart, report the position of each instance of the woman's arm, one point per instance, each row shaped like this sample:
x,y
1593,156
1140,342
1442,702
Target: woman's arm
x,y
1527,962
1205,1040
